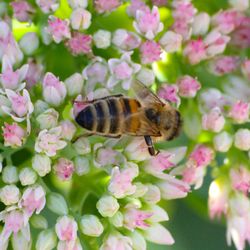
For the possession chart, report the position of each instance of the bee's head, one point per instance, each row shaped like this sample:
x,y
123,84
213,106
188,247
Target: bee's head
x,y
170,123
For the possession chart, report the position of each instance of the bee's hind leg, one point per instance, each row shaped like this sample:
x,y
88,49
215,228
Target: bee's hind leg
x,y
150,145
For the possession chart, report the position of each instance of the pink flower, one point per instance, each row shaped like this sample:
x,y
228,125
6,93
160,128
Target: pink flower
x,y
12,79
54,91
22,10
102,6
226,21
171,41
150,52
241,35
34,73
224,65
195,51
201,155
213,120
58,28
13,135
79,44
218,198
136,5
121,181
169,93
33,200
68,129
14,221
188,86
159,2
135,218
125,40
148,23
240,179
215,43
49,142
239,112
21,105
8,44
48,6
245,68
122,71
171,187
183,11
106,156
182,28
95,72
64,169
66,229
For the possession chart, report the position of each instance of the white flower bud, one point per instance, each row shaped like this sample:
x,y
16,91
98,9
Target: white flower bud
x,y
107,206
39,222
40,107
27,176
153,194
82,146
46,240
201,24
242,139
223,141
74,84
139,243
20,242
81,164
91,225
68,130
9,195
80,19
57,204
29,43
41,164
117,219
48,119
102,39
78,3
141,189
146,76
171,41
10,175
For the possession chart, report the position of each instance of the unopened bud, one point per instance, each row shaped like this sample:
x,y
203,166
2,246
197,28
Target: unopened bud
x,y
29,43
9,195
81,165
107,206
39,222
41,164
48,119
57,204
74,84
46,240
10,175
91,225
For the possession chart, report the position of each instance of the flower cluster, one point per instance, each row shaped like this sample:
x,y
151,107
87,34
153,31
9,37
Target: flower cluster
x,y
73,189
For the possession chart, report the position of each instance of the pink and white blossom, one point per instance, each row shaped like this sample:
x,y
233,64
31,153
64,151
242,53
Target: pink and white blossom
x,y
49,141
136,5
34,73
64,169
54,91
183,10
11,79
150,52
240,179
200,24
102,6
22,10
213,121
188,86
13,135
79,44
122,71
66,229
68,129
58,29
102,39
48,119
9,195
48,6
239,112
148,23
121,181
33,200
135,218
169,93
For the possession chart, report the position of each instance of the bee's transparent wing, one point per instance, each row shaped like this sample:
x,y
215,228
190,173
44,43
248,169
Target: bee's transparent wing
x,y
145,95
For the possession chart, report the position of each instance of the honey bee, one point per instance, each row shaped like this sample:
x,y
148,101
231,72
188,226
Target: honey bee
x,y
116,115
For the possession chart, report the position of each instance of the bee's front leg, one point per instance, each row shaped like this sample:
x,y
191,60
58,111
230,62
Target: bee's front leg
x,y
150,145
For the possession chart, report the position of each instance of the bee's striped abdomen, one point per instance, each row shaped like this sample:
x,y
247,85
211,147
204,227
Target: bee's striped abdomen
x,y
86,118
114,111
